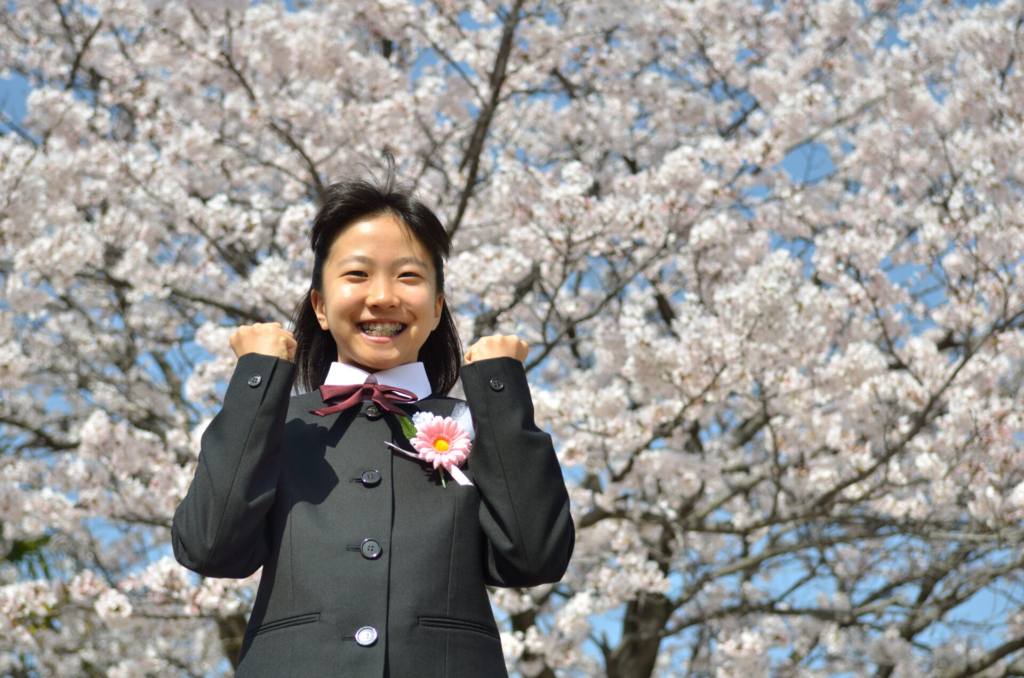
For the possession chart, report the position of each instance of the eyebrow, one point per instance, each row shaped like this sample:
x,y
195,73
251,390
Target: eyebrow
x,y
362,259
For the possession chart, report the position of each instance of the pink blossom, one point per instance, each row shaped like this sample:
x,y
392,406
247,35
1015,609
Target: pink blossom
x,y
736,357
442,442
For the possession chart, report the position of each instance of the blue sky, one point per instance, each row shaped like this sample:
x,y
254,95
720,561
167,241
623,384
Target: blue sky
x,y
14,90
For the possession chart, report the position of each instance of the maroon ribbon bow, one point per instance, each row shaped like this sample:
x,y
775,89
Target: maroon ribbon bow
x,y
353,394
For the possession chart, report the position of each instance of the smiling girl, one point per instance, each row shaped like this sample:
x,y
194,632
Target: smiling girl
x,y
378,512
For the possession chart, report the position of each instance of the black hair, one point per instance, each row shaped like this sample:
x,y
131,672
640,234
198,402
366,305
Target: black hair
x,y
341,205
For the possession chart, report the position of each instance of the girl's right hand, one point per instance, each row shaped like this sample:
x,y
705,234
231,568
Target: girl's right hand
x,y
265,339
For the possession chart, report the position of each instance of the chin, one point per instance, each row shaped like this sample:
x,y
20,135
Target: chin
x,y
377,363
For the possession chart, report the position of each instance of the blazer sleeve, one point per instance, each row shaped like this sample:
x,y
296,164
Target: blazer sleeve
x,y
219,529
524,507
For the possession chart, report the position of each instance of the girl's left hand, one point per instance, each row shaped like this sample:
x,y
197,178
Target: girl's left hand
x,y
497,346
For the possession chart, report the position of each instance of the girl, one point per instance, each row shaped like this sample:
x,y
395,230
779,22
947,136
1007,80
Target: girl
x,y
376,546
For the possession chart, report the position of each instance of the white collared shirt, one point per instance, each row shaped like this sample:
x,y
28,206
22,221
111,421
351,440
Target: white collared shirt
x,y
411,377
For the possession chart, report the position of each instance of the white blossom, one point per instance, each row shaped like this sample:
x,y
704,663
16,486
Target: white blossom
x,y
767,256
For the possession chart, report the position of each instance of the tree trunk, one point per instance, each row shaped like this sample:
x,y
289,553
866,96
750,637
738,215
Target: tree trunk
x,y
641,636
232,632
530,665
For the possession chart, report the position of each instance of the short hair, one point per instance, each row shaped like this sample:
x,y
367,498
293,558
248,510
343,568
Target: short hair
x,y
341,205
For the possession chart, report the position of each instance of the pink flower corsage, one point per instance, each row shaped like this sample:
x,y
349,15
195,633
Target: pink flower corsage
x,y
440,440
444,442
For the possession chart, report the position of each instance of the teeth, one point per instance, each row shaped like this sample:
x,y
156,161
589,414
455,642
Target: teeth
x,y
381,329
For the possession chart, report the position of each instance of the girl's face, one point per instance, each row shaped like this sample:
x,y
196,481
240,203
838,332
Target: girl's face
x,y
379,298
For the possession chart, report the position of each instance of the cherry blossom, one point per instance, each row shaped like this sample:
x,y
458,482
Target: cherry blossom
x,y
767,256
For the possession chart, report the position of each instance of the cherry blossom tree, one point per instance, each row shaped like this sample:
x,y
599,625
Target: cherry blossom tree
x,y
788,404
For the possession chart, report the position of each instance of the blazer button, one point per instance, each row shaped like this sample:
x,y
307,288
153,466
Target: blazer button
x,y
370,549
497,384
374,412
366,636
370,478
255,380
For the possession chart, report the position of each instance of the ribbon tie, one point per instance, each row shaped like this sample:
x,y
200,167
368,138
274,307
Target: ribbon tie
x,y
352,394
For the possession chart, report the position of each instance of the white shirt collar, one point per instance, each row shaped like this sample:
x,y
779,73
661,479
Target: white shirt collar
x,y
411,377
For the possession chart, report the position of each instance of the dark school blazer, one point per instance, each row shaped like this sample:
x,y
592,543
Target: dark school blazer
x,y
301,495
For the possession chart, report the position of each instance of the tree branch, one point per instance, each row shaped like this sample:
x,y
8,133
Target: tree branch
x,y
483,122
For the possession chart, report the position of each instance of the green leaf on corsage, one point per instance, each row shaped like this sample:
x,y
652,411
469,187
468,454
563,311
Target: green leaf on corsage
x,y
407,427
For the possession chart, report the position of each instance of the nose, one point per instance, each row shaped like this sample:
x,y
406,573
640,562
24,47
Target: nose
x,y
382,292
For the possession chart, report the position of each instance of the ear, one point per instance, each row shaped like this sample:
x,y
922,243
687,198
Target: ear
x,y
438,307
317,300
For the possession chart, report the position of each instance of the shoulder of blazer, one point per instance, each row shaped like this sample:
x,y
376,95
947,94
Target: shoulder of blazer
x,y
302,403
436,401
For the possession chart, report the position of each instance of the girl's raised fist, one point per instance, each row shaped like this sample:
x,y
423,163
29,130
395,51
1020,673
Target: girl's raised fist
x,y
263,338
498,346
